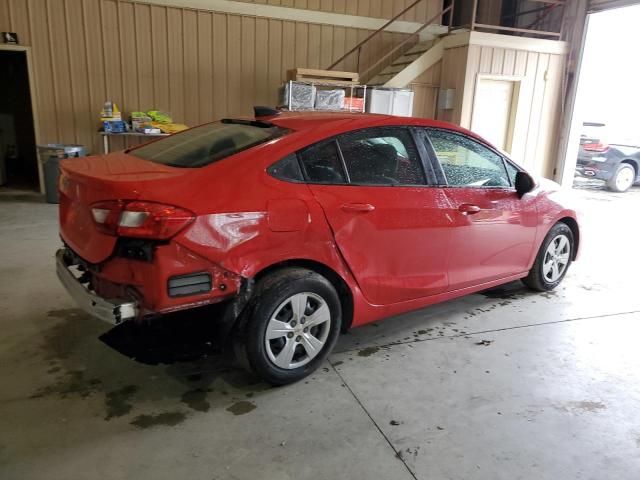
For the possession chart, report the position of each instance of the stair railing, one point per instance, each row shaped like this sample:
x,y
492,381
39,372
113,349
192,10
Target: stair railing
x,y
410,38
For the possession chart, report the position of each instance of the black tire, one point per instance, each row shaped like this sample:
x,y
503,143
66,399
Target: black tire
x,y
623,169
536,279
268,297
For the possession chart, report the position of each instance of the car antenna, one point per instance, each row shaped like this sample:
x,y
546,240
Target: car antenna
x,y
265,111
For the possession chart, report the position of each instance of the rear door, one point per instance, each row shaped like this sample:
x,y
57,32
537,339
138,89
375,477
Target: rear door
x,y
494,230
387,220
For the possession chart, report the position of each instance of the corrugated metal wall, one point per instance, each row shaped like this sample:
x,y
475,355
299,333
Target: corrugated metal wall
x,y
198,65
539,106
425,89
366,8
454,65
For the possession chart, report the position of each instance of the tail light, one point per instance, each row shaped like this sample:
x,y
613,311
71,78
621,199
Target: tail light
x,y
596,147
140,219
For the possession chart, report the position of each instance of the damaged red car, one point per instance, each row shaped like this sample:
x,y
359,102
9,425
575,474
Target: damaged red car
x,y
302,225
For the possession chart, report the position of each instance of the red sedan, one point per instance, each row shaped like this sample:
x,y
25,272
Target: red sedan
x,y
303,225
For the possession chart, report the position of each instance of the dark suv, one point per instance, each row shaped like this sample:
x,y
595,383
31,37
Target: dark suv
x,y
617,164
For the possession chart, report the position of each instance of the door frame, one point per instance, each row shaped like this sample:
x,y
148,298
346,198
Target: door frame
x,y
513,108
32,91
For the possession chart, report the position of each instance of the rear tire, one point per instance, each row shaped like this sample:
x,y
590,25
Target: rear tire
x,y
292,324
553,259
623,178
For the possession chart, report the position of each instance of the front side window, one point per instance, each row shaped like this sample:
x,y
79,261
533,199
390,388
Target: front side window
x,y
206,144
383,156
467,163
511,172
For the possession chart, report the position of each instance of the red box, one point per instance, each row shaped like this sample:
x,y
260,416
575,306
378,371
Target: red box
x,y
354,103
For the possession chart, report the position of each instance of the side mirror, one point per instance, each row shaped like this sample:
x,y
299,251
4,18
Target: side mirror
x,y
524,183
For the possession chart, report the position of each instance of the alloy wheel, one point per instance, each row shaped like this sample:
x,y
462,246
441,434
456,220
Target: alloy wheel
x,y
298,330
625,179
556,258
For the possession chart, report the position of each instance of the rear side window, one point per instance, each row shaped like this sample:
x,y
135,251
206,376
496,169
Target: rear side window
x,y
206,144
321,164
385,156
287,169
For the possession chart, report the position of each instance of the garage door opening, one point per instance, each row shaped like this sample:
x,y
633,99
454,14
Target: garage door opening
x,y
18,157
605,136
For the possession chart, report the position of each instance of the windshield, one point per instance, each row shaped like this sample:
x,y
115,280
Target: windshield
x,y
206,144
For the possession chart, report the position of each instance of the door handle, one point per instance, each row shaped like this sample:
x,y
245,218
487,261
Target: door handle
x,y
468,209
358,207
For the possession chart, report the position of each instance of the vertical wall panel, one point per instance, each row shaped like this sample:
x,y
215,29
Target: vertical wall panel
x,y
5,16
60,61
234,66
508,65
248,54
261,64
531,158
220,62
128,50
313,45
79,80
175,40
275,69
339,40
205,67
95,66
550,117
41,70
144,59
288,47
17,14
497,61
190,67
160,57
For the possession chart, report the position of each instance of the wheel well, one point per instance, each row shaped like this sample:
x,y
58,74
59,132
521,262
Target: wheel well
x,y
633,163
344,292
573,225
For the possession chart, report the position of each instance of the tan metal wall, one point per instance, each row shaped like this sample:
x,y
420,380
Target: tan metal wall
x,y
425,87
198,65
454,66
366,8
538,107
539,102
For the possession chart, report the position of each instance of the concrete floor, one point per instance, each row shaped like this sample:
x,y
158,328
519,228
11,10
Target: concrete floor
x,y
553,393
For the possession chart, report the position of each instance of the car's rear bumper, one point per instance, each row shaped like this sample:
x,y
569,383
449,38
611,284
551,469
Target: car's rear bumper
x,y
172,278
591,169
112,311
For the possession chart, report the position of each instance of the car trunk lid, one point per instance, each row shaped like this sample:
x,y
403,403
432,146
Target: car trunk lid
x,y
118,176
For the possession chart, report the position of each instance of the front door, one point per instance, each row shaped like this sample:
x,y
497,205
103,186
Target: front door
x,y
494,230
387,222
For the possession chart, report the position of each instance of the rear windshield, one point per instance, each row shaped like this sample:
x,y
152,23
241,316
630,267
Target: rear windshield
x,y
206,144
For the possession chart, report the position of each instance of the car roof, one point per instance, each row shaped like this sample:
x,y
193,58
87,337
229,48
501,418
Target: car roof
x,y
340,122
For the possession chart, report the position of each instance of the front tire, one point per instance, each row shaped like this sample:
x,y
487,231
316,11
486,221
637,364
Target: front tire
x,y
293,323
553,259
623,178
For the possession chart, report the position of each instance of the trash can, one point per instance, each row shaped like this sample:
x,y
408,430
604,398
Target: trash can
x,y
50,156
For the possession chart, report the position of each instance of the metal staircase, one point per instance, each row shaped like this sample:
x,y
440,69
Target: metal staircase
x,y
423,48
407,60
410,65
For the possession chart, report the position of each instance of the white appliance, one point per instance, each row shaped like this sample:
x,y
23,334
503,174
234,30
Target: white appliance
x,y
390,101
